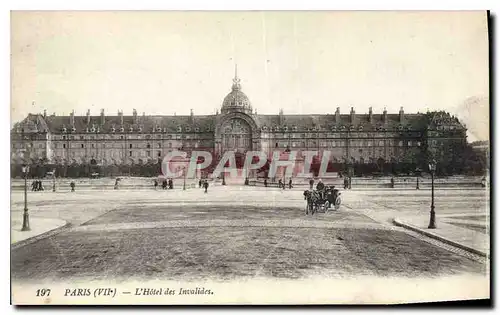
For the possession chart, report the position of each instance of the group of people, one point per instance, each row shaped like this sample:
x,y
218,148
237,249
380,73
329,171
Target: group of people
x,y
204,183
347,183
322,189
37,185
165,184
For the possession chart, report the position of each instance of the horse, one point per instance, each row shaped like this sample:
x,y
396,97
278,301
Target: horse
x,y
313,200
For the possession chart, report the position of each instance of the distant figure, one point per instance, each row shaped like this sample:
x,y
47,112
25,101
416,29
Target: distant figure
x,y
483,182
290,184
199,183
350,182
392,182
40,185
33,186
320,185
156,184
170,184
346,183
72,185
418,184
116,183
205,185
265,182
311,183
247,182
164,184
280,182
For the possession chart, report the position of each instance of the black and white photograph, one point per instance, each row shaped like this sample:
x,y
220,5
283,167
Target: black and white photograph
x,y
249,157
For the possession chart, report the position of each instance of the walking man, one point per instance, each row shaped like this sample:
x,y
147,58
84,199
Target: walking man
x,y
265,182
72,185
156,184
290,183
205,185
199,183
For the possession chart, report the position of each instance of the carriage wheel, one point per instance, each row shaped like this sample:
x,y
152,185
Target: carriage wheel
x,y
338,201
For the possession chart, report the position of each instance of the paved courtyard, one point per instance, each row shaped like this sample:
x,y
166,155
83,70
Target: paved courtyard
x,y
239,232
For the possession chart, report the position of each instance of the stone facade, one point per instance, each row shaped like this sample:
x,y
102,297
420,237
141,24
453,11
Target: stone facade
x,y
120,139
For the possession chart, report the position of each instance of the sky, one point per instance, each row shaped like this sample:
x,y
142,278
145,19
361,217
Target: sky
x,y
304,62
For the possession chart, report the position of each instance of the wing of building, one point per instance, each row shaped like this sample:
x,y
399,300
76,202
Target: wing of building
x,y
119,139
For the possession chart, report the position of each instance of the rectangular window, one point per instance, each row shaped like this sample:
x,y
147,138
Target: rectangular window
x,y
83,146
130,145
93,146
130,153
64,145
148,153
159,153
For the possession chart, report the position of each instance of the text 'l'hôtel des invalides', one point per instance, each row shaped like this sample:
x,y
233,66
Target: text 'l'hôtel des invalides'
x,y
113,142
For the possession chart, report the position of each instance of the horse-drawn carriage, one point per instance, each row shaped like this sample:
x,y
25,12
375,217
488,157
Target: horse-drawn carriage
x,y
322,200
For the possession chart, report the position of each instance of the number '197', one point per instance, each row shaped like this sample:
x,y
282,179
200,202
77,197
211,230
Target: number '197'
x,y
43,292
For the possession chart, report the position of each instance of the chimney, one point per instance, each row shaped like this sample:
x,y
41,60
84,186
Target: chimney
x,y
103,120
281,116
44,113
384,116
191,115
401,115
370,115
72,118
120,114
337,115
134,112
353,115
88,116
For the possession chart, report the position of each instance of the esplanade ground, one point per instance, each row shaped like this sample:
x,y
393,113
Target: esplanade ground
x,y
237,232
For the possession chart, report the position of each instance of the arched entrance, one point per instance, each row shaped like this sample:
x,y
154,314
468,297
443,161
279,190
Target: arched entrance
x,y
236,135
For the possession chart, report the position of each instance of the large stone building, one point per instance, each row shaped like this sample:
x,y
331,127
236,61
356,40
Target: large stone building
x,y
135,139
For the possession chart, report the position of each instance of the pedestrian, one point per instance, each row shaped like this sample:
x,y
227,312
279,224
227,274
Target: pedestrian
x,y
164,184
265,182
418,184
205,185
247,182
280,182
290,184
350,182
311,183
170,184
199,183
392,182
156,184
41,185
346,182
116,184
72,185
33,186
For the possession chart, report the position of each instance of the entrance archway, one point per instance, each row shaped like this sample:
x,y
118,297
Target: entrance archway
x,y
236,136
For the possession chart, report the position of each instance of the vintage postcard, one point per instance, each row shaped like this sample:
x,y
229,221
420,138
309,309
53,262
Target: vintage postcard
x,y
249,157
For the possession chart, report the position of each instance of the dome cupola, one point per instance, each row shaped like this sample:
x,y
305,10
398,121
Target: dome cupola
x,y
236,100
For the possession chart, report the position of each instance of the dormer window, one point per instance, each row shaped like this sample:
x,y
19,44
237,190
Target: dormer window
x,y
264,128
197,129
64,129
276,128
140,129
294,128
87,129
334,128
131,129
93,129
122,129
286,128
188,129
400,127
208,129
158,129
360,128
113,129
73,129
179,129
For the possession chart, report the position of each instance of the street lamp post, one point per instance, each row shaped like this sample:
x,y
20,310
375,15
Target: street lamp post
x,y
184,186
54,181
432,169
26,218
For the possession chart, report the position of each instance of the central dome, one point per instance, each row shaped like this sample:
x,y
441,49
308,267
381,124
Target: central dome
x,y
236,100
